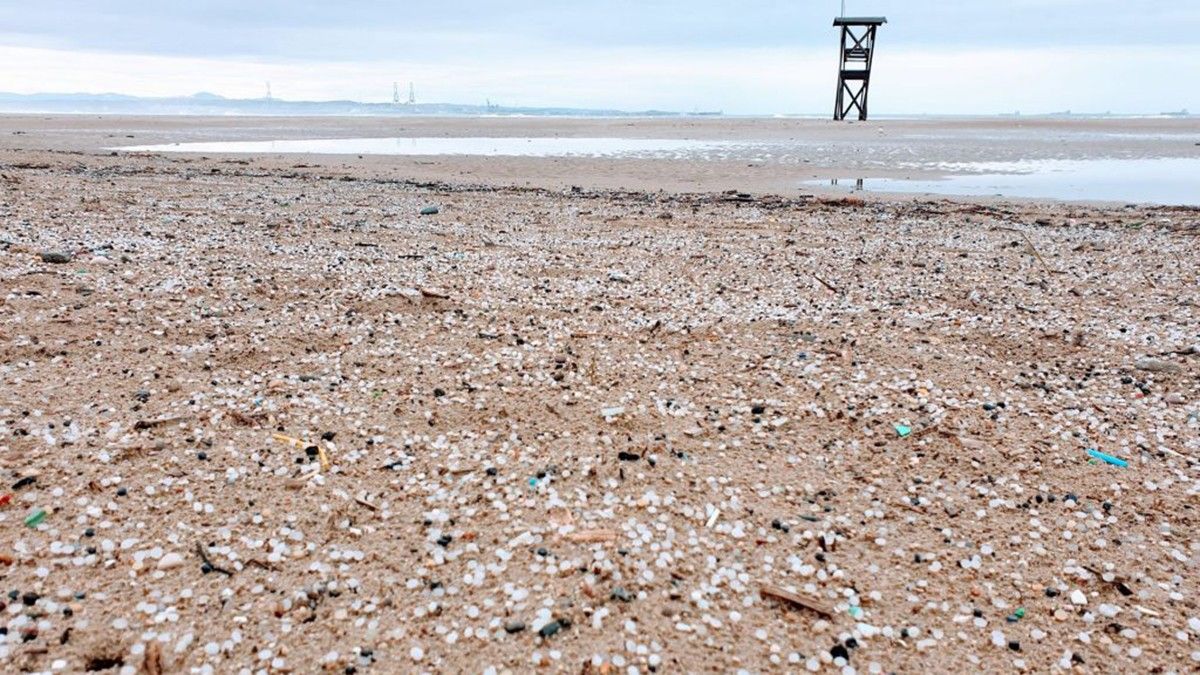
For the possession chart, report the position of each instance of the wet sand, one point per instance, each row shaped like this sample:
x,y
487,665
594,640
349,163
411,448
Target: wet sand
x,y
885,148
278,420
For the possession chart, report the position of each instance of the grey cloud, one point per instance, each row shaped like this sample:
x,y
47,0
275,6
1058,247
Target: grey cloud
x,y
375,29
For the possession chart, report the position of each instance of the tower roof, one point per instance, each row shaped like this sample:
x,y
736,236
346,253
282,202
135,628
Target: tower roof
x,y
860,20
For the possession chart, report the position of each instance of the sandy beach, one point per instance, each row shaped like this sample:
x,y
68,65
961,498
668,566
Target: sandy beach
x,y
454,414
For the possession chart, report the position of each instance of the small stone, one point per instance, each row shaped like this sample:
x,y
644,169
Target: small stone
x,y
56,257
1175,398
170,561
1078,598
514,627
1157,366
430,211
619,593
554,627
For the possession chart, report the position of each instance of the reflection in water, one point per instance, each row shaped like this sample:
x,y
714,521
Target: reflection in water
x,y
858,184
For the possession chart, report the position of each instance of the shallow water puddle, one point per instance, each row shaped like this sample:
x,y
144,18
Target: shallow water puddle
x,y
1158,181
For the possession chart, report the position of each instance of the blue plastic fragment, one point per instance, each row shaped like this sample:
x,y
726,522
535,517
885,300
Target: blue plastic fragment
x,y
1109,459
903,431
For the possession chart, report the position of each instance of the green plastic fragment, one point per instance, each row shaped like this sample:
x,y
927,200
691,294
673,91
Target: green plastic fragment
x,y
855,611
34,519
902,430
1020,613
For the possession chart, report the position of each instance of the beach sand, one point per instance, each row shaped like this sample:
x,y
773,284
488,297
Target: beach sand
x,y
592,415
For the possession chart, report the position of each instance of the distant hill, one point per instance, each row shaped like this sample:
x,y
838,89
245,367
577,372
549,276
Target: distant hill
x,y
205,103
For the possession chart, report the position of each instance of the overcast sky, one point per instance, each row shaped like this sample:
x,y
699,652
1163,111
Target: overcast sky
x,y
747,56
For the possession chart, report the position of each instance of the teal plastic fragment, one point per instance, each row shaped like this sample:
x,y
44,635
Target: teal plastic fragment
x,y
903,430
34,519
1108,459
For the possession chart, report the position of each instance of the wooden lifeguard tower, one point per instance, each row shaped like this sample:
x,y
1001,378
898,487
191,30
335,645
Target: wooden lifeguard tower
x,y
854,73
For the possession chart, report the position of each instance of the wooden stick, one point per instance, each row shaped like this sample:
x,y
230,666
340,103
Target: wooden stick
x,y
811,604
593,536
826,284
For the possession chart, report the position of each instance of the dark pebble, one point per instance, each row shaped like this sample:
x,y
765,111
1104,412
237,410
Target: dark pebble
x,y
439,392
445,540
840,651
758,410
1051,592
553,627
514,627
202,456
30,599
491,471
121,492
1014,645
56,257
989,406
628,456
328,435
89,532
27,480
429,211
619,593
543,552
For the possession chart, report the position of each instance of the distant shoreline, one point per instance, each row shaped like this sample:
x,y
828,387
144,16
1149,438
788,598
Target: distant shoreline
x,y
212,105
